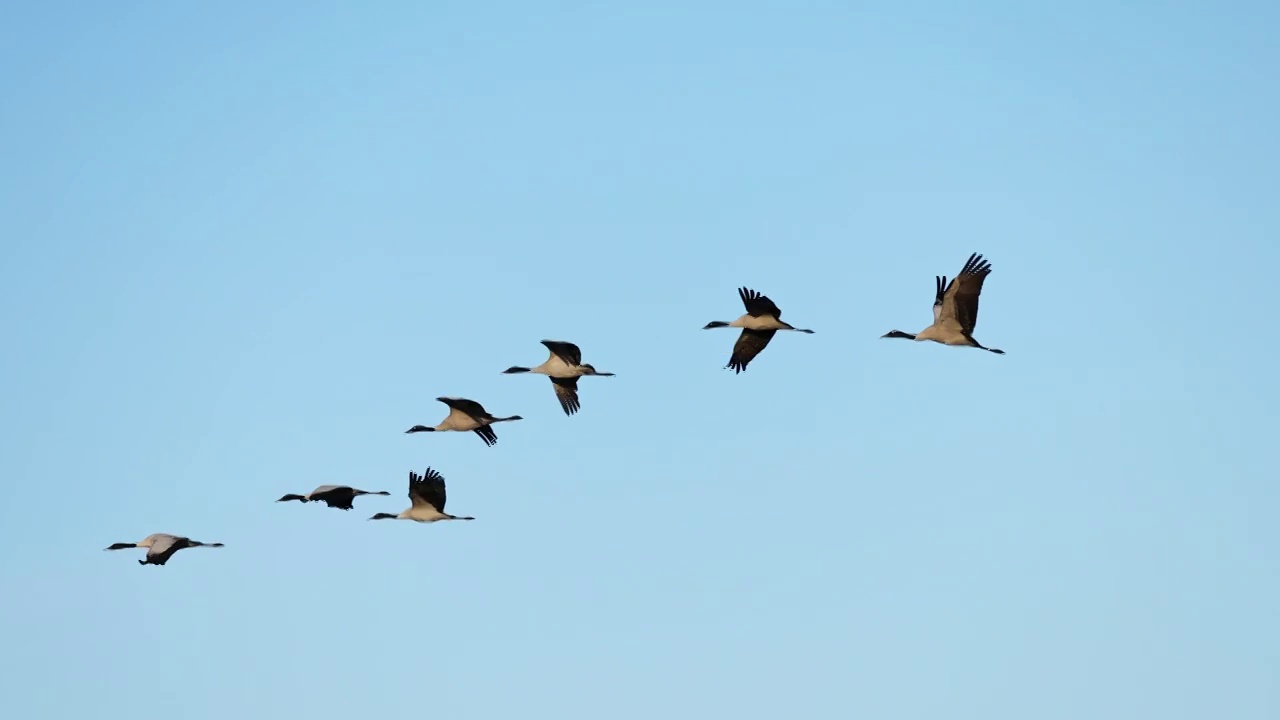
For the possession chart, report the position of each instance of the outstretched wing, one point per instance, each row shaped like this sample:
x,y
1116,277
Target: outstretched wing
x,y
427,489
335,496
165,546
487,434
472,408
567,394
750,344
960,301
568,352
758,305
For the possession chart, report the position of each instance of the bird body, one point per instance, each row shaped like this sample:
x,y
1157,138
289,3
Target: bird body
x,y
764,322
335,496
955,308
563,367
466,415
761,322
427,495
161,546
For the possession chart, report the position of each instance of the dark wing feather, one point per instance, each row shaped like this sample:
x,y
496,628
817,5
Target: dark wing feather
x,y
162,557
339,497
749,345
487,434
470,407
758,305
566,351
428,487
567,394
964,290
937,301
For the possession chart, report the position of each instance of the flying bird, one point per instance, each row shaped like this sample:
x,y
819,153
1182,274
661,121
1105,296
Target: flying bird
x,y
762,320
426,492
955,308
335,496
161,546
563,367
466,415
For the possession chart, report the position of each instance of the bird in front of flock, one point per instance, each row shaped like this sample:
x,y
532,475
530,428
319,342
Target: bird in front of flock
x,y
955,308
335,496
161,546
466,415
563,367
762,320
427,495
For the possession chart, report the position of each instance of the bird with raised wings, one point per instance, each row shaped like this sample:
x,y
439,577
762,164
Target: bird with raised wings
x,y
466,415
762,320
161,546
335,496
563,367
955,308
427,495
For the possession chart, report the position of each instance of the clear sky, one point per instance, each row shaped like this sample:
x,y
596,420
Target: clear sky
x,y
245,245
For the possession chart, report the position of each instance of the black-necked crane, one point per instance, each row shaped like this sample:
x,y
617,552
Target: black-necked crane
x,y
427,495
161,546
564,367
955,308
335,496
761,321
466,415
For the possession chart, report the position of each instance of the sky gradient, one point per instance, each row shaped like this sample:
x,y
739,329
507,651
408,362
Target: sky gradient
x,y
245,245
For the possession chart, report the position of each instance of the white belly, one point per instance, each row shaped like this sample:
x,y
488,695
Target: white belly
x,y
768,322
555,367
425,515
947,333
460,422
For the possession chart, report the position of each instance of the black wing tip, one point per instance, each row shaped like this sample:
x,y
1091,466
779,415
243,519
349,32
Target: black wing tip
x,y
976,265
570,404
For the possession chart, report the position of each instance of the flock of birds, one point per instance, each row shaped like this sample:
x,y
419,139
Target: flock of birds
x,y
955,315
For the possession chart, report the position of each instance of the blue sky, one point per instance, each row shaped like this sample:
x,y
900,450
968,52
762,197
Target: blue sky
x,y
245,245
